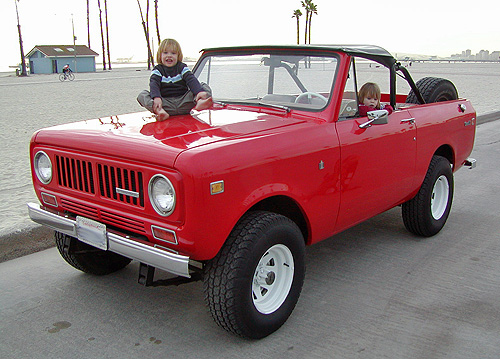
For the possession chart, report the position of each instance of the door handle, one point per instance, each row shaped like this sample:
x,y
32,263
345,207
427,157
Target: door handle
x,y
408,120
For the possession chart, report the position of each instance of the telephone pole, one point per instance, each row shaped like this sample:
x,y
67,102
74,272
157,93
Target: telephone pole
x,y
23,62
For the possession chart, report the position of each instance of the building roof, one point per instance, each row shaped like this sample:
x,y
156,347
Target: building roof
x,y
371,52
63,50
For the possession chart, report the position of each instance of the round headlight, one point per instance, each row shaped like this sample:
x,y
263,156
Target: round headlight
x,y
162,195
43,167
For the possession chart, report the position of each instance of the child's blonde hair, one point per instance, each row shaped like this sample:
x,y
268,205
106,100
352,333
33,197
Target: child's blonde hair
x,y
369,89
173,45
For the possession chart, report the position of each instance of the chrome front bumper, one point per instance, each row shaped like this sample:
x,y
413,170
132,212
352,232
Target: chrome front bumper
x,y
144,253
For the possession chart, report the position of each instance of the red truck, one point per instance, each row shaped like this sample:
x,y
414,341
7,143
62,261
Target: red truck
x,y
232,195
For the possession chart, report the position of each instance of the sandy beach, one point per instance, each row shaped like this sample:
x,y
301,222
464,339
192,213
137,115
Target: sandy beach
x,y
38,101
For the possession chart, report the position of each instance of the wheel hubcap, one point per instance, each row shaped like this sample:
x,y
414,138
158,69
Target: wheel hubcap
x,y
272,279
439,198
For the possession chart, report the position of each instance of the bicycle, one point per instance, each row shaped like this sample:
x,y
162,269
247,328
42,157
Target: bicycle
x,y
67,76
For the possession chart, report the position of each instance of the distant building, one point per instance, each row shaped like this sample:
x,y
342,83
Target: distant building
x,y
47,59
483,55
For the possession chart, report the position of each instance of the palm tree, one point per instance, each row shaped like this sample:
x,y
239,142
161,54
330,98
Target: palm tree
x,y
88,22
23,60
306,6
146,33
102,37
297,14
107,32
156,19
313,9
147,29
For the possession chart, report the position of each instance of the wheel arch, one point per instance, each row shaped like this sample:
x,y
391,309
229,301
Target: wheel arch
x,y
287,207
447,152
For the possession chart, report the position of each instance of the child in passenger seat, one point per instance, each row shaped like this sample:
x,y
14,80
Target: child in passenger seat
x,y
369,99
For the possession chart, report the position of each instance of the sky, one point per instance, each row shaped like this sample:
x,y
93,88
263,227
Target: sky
x,y
426,27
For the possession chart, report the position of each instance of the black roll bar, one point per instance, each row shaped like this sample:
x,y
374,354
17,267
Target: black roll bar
x,y
397,67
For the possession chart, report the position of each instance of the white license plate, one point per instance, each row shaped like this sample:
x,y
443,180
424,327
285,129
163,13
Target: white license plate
x,y
91,232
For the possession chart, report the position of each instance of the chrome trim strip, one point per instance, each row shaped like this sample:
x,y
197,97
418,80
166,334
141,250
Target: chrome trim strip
x,y
126,192
167,261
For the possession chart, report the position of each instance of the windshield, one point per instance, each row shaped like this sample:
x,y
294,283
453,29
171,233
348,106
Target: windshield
x,y
291,81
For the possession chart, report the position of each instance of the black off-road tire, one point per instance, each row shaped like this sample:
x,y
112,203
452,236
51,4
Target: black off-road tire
x,y
88,259
426,214
231,278
433,89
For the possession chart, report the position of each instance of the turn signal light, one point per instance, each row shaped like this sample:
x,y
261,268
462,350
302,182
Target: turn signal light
x,y
49,199
217,187
163,234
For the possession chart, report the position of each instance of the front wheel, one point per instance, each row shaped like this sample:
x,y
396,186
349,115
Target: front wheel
x,y
253,284
71,76
426,214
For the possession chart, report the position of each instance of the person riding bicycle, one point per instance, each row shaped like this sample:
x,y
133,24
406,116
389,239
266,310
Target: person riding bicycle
x,y
66,74
66,70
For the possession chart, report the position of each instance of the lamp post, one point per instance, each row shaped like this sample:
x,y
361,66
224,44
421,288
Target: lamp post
x,y
23,62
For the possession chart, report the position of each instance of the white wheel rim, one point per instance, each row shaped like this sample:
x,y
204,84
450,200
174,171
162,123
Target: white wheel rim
x,y
439,198
272,279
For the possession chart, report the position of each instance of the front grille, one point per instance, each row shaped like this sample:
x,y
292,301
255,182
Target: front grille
x,y
79,208
111,178
89,177
93,178
110,218
123,221
75,174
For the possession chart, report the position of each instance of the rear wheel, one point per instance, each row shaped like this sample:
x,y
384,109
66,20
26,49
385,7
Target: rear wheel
x,y
87,258
426,214
433,89
252,285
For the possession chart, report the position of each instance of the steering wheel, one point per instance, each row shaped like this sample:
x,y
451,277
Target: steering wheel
x,y
309,96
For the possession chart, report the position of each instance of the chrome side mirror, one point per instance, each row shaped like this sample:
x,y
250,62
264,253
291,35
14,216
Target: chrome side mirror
x,y
377,117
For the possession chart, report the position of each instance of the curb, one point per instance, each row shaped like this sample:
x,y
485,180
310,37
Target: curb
x,y
26,241
488,117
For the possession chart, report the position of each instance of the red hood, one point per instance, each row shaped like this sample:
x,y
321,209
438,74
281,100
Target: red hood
x,y
139,137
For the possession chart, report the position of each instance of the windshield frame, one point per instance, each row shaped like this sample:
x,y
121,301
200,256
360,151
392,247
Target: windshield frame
x,y
268,59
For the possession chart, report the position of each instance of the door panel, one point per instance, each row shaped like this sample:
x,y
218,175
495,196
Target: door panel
x,y
377,166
